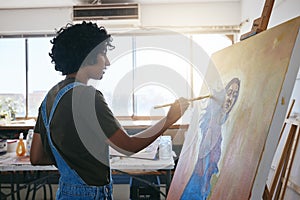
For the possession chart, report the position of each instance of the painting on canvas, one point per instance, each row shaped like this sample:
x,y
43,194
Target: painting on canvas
x,y
223,146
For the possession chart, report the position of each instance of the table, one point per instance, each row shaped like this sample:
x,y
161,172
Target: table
x,y
18,125
14,166
144,166
123,165
12,129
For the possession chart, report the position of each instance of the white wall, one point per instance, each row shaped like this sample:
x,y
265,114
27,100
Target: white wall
x,y
45,16
34,16
26,21
191,14
283,10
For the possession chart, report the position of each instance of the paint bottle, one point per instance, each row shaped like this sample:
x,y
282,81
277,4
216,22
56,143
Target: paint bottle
x,y
29,141
165,148
3,146
20,151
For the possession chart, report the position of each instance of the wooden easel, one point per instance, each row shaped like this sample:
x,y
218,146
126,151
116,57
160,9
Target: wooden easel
x,y
283,170
260,24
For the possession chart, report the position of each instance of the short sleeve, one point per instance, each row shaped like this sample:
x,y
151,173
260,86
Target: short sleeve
x,y
37,127
107,120
91,112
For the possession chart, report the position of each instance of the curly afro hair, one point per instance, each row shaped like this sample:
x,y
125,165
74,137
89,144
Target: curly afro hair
x,y
78,45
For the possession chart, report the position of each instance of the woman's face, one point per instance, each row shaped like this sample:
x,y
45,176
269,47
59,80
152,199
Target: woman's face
x,y
97,70
231,96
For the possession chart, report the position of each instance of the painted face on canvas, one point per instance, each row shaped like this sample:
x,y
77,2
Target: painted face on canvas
x,y
232,93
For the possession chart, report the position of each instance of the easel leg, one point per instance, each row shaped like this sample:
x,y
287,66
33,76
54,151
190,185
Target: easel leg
x,y
266,194
282,173
275,185
168,181
290,162
287,116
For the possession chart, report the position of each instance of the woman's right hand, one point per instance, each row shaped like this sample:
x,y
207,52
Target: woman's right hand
x,y
176,110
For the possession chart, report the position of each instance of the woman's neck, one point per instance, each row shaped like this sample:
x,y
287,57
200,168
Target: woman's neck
x,y
78,77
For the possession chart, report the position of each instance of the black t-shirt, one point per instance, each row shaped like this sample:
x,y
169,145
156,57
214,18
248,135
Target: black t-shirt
x,y
80,126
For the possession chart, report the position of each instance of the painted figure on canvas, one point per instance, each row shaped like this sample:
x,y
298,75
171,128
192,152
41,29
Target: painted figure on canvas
x,y
199,185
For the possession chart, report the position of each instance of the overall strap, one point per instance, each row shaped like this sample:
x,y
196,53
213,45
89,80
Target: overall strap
x,y
70,183
67,174
59,95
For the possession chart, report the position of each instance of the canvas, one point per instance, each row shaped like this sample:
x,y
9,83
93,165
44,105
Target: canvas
x,y
228,138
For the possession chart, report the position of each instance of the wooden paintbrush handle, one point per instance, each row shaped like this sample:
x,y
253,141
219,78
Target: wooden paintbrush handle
x,y
193,99
199,98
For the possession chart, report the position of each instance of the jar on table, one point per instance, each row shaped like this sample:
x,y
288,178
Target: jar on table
x,y
165,147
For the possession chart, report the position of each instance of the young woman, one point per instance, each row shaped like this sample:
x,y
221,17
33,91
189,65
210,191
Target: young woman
x,y
75,127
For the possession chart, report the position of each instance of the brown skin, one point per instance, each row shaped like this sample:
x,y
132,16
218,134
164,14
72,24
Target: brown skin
x,y
37,154
120,140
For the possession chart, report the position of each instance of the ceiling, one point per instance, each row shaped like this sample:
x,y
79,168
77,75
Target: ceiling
x,y
11,4
154,1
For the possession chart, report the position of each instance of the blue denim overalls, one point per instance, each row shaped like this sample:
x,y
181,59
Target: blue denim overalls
x,y
71,186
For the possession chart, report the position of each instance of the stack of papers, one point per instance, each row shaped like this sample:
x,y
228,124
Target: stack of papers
x,y
147,153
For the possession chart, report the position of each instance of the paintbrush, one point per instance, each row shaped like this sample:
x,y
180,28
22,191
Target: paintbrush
x,y
193,99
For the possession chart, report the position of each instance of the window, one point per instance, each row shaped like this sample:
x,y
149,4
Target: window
x,y
162,72
117,82
13,76
146,70
41,73
149,70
